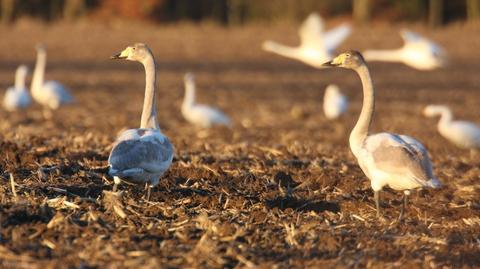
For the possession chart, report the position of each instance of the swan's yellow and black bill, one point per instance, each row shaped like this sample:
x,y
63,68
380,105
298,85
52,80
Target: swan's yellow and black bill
x,y
122,55
329,63
336,61
117,56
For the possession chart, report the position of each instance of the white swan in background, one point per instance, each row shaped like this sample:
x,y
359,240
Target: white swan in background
x,y
17,97
142,155
200,115
335,104
316,46
50,94
463,134
417,52
397,161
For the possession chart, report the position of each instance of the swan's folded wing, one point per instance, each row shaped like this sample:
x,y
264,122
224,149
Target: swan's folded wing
x,y
334,37
57,91
392,155
421,152
150,154
311,31
409,36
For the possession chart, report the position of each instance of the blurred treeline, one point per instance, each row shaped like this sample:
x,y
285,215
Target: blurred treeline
x,y
232,12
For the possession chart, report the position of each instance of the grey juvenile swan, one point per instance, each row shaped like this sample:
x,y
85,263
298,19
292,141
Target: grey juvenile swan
x,y
397,161
141,155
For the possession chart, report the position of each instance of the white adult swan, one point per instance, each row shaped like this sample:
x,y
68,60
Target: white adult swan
x,y
17,97
397,161
200,115
417,52
316,46
50,94
335,104
463,134
141,156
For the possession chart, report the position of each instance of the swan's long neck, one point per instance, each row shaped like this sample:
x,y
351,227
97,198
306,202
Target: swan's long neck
x,y
39,72
189,98
445,116
360,131
20,79
149,112
383,55
280,49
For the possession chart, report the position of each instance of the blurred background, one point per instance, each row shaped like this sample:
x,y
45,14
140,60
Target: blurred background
x,y
237,12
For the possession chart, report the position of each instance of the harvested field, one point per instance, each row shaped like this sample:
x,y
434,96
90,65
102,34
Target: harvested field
x,y
281,189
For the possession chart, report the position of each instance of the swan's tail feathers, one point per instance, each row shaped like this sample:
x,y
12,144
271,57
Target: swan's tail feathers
x,y
434,183
409,36
336,36
125,173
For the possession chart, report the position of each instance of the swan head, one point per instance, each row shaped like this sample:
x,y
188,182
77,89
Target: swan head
x,y
189,77
434,110
351,59
138,52
40,47
332,90
22,69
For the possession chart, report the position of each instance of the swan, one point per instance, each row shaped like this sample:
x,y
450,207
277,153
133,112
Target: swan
x,y
387,159
316,46
50,94
463,134
417,52
142,155
17,97
335,103
200,115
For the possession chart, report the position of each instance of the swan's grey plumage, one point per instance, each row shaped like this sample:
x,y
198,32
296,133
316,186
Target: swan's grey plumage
x,y
397,161
316,46
335,103
50,94
17,97
417,52
463,134
198,114
142,155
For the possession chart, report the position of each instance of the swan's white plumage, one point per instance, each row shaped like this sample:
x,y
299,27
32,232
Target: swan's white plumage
x,y
142,155
17,97
198,114
50,94
335,103
463,134
398,161
417,52
316,46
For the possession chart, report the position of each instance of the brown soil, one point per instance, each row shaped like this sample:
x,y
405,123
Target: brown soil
x,y
279,189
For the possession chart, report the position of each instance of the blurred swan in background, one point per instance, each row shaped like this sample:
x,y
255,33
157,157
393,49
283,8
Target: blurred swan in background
x,y
17,97
335,104
397,161
316,46
197,114
417,52
50,94
463,134
142,155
